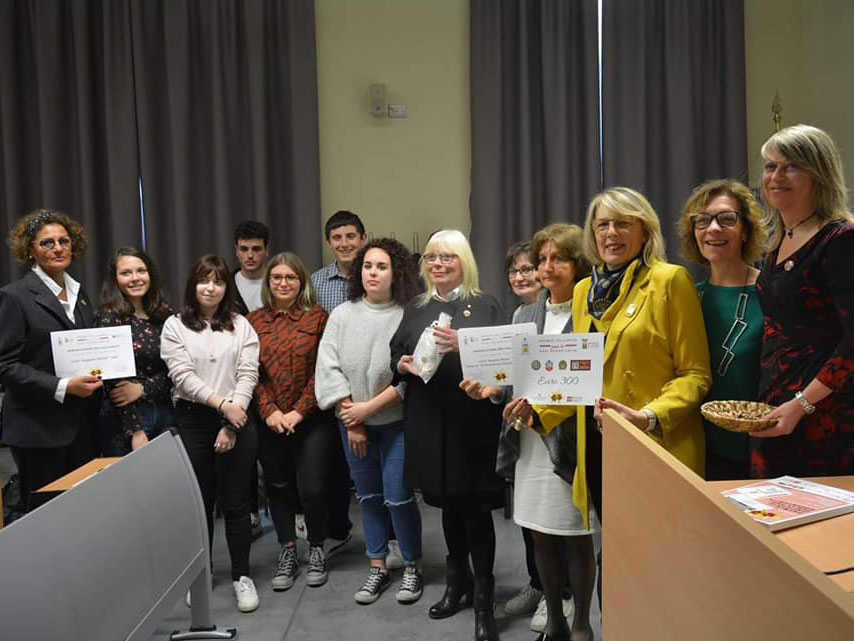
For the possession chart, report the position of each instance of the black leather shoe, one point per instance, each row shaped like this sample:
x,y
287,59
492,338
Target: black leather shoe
x,y
484,610
458,593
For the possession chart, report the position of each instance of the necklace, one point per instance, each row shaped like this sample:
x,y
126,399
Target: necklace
x,y
738,327
791,230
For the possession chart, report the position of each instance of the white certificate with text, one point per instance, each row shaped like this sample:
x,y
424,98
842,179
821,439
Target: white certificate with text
x,y
486,353
100,351
559,369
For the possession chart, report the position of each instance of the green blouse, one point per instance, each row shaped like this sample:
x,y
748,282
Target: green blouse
x,y
734,328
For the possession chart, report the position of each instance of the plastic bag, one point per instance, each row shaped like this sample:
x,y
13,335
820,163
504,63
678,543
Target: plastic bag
x,y
427,356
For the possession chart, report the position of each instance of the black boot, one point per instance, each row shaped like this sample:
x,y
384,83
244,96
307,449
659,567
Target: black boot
x,y
484,615
458,593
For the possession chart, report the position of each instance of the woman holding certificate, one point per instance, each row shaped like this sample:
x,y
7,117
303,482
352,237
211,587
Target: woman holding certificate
x,y
212,356
137,409
46,420
451,439
542,463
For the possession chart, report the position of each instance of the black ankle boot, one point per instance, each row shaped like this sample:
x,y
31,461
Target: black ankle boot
x,y
484,615
458,593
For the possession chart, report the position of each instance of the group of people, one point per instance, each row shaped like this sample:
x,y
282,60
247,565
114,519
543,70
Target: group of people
x,y
322,370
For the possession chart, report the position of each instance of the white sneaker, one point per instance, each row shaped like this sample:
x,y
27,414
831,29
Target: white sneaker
x,y
540,618
302,530
394,559
525,602
246,594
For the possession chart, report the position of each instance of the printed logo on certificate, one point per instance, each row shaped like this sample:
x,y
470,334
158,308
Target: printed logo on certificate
x,y
486,353
558,369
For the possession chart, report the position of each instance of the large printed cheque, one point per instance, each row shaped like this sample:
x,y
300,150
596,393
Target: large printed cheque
x,y
100,351
486,353
558,369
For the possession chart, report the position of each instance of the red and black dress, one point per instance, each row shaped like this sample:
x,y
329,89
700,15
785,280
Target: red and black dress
x,y
808,304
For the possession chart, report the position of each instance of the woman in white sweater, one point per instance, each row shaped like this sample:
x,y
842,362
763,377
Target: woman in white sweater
x,y
353,375
212,356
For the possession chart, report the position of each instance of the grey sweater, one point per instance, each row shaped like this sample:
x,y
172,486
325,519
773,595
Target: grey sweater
x,y
353,358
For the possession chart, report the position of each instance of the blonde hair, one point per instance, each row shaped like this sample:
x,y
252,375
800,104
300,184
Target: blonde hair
x,y
813,150
752,218
626,203
450,241
569,241
306,298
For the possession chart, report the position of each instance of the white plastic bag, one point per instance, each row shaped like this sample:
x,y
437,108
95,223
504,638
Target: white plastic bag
x,y
427,357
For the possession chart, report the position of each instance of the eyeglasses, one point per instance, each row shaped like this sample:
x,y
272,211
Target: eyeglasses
x,y
525,270
785,168
620,224
50,243
278,278
725,219
445,259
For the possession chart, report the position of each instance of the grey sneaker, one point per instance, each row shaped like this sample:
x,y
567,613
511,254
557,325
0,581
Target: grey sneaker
x,y
525,602
411,586
373,587
286,570
337,546
317,574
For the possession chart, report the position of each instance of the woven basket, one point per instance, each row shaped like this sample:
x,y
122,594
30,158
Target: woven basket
x,y
737,416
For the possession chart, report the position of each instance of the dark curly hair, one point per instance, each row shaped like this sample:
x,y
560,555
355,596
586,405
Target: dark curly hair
x,y
404,285
223,318
113,299
25,230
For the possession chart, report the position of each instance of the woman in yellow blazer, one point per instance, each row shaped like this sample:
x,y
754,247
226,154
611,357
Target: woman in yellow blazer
x,y
656,355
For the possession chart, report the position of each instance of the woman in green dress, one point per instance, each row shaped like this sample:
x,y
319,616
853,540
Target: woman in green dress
x,y
722,226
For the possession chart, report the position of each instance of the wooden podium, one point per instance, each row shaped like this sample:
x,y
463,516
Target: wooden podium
x,y
681,562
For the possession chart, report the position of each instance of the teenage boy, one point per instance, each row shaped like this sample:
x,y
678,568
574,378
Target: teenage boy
x,y
251,240
345,235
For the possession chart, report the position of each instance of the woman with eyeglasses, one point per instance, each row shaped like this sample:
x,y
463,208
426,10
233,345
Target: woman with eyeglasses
x,y
451,439
722,226
806,291
140,408
522,275
297,439
47,420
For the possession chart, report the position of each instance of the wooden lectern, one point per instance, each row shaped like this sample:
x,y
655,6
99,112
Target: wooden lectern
x,y
681,562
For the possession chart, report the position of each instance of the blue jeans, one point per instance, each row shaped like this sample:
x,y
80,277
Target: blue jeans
x,y
153,417
379,484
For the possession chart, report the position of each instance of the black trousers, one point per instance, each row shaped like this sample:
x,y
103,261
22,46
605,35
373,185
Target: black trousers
x,y
38,466
222,478
338,486
296,471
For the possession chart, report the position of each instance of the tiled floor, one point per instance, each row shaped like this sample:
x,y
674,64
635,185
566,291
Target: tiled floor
x,y
330,613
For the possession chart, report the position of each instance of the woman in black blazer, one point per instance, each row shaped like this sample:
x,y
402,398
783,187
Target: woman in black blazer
x,y
46,420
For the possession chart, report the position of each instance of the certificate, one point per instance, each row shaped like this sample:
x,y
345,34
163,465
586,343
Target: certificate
x,y
486,353
100,351
559,369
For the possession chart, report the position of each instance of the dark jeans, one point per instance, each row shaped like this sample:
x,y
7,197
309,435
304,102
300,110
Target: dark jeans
x,y
295,476
38,466
222,478
155,418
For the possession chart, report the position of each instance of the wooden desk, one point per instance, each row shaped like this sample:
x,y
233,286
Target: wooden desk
x,y
827,544
80,474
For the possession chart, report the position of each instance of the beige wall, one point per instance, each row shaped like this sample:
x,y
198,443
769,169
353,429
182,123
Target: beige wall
x,y
400,175
803,49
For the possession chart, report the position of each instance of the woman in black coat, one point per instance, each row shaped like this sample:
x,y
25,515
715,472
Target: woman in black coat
x,y
451,439
47,420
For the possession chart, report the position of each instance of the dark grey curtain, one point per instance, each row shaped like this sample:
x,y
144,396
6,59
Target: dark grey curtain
x,y
227,104
534,120
67,124
674,107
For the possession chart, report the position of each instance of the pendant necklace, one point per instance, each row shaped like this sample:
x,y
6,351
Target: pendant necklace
x,y
791,230
739,325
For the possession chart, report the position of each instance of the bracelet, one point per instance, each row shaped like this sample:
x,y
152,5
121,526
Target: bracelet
x,y
219,407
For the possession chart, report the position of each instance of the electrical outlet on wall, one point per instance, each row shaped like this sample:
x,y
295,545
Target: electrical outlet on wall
x,y
397,111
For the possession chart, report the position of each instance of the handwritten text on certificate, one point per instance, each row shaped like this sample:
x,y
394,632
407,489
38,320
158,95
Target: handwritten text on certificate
x,y
558,369
486,353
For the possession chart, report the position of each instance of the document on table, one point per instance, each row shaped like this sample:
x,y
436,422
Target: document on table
x,y
559,369
486,353
100,351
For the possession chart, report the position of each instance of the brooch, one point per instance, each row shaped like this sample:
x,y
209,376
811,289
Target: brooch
x,y
630,311
788,265
467,311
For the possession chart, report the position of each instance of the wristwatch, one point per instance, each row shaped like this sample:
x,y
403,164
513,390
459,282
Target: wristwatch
x,y
653,420
809,408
